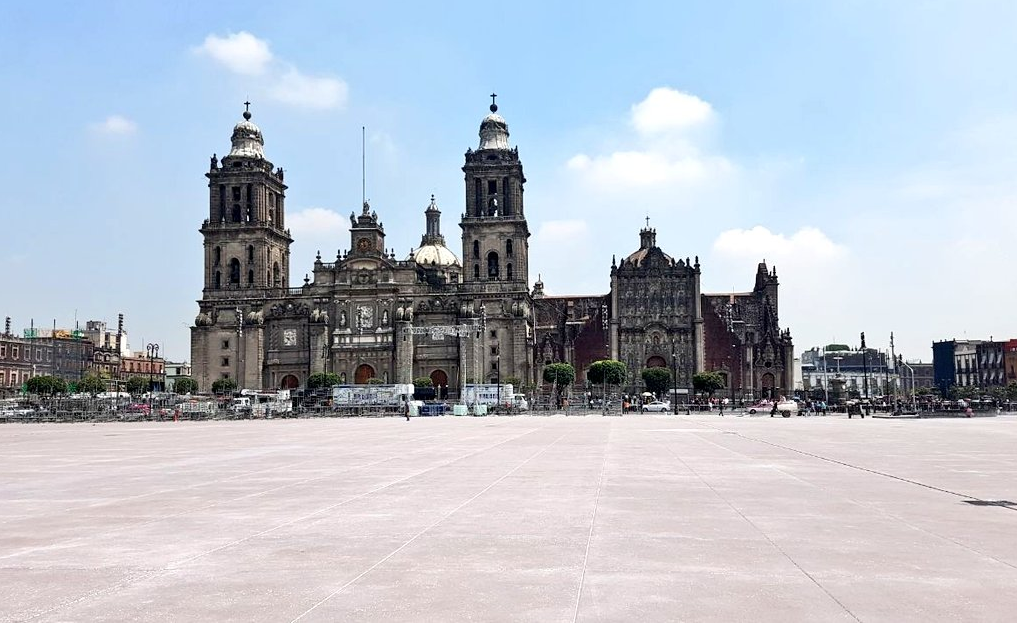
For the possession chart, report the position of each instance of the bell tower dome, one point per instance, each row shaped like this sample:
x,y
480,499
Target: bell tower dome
x,y
495,232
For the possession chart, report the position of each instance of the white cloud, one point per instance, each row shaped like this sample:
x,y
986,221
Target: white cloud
x,y
664,151
245,54
567,231
317,223
807,245
666,109
304,91
648,168
115,125
241,52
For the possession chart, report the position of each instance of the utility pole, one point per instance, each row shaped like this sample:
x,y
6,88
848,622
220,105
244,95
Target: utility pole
x,y
893,358
865,369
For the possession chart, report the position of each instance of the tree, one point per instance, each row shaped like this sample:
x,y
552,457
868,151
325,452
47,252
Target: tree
x,y
1011,390
658,380
707,382
561,375
91,384
185,385
46,385
423,381
607,371
224,386
320,380
136,385
375,381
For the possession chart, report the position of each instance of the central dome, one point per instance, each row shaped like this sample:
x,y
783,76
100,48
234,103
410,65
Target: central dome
x,y
437,255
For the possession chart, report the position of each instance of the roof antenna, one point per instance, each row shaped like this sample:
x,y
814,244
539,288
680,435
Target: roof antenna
x,y
363,165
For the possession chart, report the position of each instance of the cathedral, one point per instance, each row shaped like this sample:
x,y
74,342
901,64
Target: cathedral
x,y
370,316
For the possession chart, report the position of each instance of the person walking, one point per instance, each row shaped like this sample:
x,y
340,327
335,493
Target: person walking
x,y
773,411
721,410
406,409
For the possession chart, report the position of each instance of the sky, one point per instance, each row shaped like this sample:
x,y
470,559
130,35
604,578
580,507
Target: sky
x,y
864,148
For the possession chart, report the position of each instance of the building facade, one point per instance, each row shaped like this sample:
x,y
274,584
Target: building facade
x,y
370,315
367,315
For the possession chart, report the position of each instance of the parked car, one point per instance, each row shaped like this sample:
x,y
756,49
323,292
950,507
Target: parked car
x,y
656,405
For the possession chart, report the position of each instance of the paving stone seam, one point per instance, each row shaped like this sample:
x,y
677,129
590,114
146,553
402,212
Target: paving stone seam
x,y
429,527
867,469
758,529
870,506
175,565
593,522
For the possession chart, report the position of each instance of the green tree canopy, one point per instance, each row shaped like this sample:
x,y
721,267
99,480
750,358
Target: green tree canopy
x,y
137,385
224,386
185,385
1011,390
561,374
707,382
91,384
320,380
423,381
375,381
657,380
607,371
46,385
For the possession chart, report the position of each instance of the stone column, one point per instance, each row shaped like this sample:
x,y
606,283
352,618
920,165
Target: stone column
x,y
403,364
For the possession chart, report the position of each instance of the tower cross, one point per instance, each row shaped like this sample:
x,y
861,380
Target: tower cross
x,y
247,106
494,95
647,221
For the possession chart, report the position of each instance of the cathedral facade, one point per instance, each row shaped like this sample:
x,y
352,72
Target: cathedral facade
x,y
370,315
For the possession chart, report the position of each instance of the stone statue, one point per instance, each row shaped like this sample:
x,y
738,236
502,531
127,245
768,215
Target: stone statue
x,y
342,319
214,164
384,318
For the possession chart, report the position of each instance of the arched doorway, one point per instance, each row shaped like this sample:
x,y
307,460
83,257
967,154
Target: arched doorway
x,y
656,362
363,373
440,382
767,384
289,382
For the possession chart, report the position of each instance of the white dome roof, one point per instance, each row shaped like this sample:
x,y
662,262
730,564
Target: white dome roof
x,y
435,255
494,132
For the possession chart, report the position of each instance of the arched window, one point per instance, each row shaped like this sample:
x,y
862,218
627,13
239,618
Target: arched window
x,y
508,272
218,280
476,271
250,253
275,275
217,256
250,277
508,248
476,249
234,271
236,214
493,267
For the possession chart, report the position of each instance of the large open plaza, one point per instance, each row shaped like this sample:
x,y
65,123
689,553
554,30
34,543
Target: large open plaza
x,y
527,518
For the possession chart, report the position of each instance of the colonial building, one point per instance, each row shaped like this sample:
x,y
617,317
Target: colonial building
x,y
370,315
656,315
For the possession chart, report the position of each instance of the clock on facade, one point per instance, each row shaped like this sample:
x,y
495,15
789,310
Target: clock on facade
x,y
364,244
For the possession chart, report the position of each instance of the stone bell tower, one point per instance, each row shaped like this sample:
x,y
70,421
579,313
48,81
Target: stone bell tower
x,y
247,245
247,260
495,233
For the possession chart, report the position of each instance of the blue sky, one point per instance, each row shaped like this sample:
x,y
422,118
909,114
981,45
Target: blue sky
x,y
865,148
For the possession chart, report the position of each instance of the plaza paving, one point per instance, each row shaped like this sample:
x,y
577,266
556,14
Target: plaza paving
x,y
635,518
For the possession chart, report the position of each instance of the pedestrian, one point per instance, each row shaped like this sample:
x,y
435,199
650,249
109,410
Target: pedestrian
x,y
773,411
406,409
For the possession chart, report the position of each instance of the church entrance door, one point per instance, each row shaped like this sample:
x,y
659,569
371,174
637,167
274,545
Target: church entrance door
x,y
289,382
364,372
767,382
656,362
440,382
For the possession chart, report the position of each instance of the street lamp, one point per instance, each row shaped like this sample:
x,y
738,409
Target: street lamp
x,y
153,352
674,374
